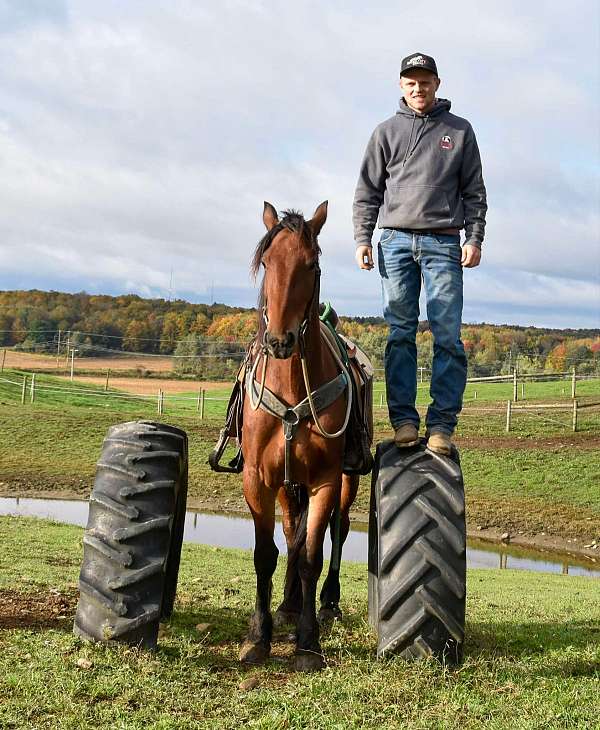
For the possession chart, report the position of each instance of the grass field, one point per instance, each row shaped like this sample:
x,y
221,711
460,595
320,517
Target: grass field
x,y
540,478
532,655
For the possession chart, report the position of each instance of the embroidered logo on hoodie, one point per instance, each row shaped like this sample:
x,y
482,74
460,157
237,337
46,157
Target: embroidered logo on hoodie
x,y
446,142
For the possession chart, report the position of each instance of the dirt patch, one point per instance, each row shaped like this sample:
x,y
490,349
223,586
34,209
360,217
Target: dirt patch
x,y
45,487
27,360
40,609
581,441
150,386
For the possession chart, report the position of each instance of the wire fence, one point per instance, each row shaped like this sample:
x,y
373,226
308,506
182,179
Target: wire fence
x,y
209,405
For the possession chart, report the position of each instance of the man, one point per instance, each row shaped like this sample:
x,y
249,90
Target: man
x,y
421,177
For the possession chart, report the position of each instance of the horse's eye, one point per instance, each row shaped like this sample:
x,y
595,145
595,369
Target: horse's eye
x,y
262,263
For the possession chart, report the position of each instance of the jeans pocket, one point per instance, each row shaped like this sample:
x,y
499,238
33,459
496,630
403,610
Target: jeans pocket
x,y
387,234
446,239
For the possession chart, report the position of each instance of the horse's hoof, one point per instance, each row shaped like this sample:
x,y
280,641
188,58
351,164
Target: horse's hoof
x,y
329,614
310,661
254,653
282,619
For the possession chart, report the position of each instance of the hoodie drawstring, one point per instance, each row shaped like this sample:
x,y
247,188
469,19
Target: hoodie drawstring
x,y
412,126
409,152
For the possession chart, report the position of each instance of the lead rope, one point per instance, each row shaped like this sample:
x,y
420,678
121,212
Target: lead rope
x,y
313,410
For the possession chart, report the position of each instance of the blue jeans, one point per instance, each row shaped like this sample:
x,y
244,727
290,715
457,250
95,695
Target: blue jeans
x,y
404,259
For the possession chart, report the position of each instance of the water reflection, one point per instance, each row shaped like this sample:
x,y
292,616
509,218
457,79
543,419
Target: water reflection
x,y
237,532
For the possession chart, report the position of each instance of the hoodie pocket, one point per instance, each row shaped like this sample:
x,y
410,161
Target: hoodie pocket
x,y
419,203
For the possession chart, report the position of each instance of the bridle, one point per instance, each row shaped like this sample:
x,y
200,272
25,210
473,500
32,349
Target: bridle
x,y
319,400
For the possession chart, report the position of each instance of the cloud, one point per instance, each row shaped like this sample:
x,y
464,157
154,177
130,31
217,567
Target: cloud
x,y
136,138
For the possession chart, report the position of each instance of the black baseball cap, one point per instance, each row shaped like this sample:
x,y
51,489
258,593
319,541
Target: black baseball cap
x,y
418,60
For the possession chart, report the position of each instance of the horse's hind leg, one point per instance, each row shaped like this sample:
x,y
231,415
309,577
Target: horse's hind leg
x,y
330,592
257,644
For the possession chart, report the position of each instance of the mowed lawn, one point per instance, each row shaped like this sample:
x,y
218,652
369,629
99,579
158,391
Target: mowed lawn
x,y
532,655
540,478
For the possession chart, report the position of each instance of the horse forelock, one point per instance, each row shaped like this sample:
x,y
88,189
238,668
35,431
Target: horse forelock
x,y
291,220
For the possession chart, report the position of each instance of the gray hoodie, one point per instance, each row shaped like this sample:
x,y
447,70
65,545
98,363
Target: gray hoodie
x,y
421,172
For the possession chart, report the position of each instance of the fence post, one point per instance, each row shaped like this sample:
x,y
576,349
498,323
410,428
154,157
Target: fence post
x,y
574,415
475,395
3,359
573,383
508,414
72,361
106,383
32,389
159,403
202,396
381,399
24,389
162,402
523,390
198,400
515,388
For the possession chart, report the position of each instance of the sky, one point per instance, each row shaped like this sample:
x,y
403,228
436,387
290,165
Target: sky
x,y
139,139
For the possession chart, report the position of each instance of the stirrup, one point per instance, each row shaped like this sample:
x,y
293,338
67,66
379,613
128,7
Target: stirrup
x,y
235,466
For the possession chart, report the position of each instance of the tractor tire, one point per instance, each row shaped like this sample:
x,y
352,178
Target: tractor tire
x,y
417,554
132,542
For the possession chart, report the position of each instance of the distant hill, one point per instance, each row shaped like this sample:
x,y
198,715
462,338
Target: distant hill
x,y
102,324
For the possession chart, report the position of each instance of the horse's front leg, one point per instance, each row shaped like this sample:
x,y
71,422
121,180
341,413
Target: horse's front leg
x,y
261,500
309,656
291,606
330,592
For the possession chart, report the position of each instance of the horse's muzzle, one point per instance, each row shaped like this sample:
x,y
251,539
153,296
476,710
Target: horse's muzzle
x,y
280,346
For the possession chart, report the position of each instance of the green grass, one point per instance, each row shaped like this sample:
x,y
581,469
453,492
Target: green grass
x,y
52,445
532,655
55,391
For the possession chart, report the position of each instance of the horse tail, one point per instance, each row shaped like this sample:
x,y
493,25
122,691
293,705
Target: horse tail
x,y
300,534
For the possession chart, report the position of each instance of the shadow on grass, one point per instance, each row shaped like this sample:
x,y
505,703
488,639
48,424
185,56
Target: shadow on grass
x,y
528,639
556,645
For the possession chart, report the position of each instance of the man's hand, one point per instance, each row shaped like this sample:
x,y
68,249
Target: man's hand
x,y
364,257
471,256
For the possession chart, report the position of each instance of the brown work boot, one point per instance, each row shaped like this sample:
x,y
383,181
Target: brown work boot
x,y
406,435
440,442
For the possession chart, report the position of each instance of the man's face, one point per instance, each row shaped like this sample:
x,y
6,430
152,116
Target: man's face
x,y
419,87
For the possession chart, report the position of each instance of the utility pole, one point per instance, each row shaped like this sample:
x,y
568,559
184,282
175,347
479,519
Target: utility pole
x,y
58,347
171,284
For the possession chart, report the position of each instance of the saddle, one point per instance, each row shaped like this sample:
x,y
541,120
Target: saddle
x,y
359,432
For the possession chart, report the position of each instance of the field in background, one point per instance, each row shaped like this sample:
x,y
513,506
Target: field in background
x,y
31,361
539,480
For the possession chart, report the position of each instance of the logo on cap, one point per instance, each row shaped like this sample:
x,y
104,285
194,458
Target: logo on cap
x,y
446,142
416,61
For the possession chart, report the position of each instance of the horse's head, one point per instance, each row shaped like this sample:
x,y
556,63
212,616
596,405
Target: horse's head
x,y
289,253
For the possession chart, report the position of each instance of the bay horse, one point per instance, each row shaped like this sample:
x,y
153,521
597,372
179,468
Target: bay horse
x,y
290,360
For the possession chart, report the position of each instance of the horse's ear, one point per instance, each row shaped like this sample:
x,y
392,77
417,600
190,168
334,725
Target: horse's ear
x,y
318,220
270,218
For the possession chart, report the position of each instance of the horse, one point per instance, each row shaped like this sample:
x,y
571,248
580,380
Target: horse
x,y
294,459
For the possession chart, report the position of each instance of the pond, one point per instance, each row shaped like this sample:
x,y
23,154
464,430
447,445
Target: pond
x,y
222,530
